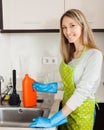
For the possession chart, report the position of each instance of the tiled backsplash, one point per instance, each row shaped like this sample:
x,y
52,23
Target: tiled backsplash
x,y
24,52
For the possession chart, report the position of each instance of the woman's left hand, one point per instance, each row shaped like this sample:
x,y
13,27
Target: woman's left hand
x,y
56,120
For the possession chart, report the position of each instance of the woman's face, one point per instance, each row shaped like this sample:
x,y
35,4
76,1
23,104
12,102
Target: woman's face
x,y
71,30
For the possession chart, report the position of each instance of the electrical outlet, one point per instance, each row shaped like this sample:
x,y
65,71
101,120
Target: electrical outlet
x,y
46,60
54,60
49,60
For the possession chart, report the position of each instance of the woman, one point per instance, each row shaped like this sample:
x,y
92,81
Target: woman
x,y
81,74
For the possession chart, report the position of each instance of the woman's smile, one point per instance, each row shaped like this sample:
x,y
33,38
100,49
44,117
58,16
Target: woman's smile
x,y
71,38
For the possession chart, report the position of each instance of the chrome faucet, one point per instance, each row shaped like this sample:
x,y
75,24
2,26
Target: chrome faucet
x,y
1,80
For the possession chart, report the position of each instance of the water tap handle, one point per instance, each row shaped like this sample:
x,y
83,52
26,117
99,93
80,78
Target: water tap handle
x,y
1,79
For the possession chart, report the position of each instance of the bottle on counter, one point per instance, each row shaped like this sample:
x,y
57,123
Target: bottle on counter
x,y
29,95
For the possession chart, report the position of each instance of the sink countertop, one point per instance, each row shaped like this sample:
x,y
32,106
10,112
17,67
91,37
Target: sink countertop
x,y
54,108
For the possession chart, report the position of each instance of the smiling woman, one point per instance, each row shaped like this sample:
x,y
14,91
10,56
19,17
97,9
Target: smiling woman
x,y
78,70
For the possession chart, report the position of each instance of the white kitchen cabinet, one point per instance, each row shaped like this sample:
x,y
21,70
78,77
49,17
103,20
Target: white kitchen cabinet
x,y
31,14
93,9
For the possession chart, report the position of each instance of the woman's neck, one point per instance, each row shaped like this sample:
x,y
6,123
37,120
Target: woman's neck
x,y
79,49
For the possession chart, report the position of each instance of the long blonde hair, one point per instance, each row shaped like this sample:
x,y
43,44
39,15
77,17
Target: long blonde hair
x,y
67,50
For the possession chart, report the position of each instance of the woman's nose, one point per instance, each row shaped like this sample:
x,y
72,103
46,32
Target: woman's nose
x,y
68,30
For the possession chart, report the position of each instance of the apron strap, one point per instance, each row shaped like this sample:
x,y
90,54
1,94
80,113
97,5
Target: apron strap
x,y
96,104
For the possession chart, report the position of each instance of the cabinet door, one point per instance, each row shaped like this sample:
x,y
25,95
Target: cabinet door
x,y
31,14
93,9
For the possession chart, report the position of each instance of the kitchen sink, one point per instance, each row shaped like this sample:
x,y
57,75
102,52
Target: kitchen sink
x,y
20,117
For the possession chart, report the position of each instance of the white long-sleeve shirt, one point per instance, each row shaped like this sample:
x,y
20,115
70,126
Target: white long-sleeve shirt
x,y
87,76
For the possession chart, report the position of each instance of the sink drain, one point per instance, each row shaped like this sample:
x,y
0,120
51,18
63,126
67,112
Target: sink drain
x,y
20,111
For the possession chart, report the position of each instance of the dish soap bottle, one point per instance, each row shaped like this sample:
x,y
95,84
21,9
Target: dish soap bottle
x,y
29,95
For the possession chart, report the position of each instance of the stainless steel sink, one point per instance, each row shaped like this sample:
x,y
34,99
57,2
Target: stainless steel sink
x,y
19,116
12,116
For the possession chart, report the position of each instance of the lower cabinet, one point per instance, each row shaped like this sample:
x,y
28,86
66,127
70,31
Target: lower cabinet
x,y
99,121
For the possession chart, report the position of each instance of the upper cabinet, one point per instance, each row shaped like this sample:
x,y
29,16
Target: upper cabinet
x,y
44,15
93,9
31,14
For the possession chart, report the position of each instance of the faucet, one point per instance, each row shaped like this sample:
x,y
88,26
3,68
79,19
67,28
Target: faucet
x,y
1,80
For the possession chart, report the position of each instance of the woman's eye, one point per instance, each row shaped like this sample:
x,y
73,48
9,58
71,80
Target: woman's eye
x,y
73,25
63,27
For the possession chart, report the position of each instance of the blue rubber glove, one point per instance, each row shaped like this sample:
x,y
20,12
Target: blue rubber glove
x,y
49,88
56,120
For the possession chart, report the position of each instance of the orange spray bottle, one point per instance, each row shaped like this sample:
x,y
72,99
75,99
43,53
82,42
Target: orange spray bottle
x,y
29,95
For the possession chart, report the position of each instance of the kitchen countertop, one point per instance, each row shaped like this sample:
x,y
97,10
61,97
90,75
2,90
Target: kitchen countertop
x,y
55,107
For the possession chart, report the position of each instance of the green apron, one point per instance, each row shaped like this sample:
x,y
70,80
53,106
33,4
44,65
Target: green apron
x,y
82,117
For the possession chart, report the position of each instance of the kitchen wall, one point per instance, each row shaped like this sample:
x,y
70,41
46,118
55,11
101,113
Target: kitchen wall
x,y
24,52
